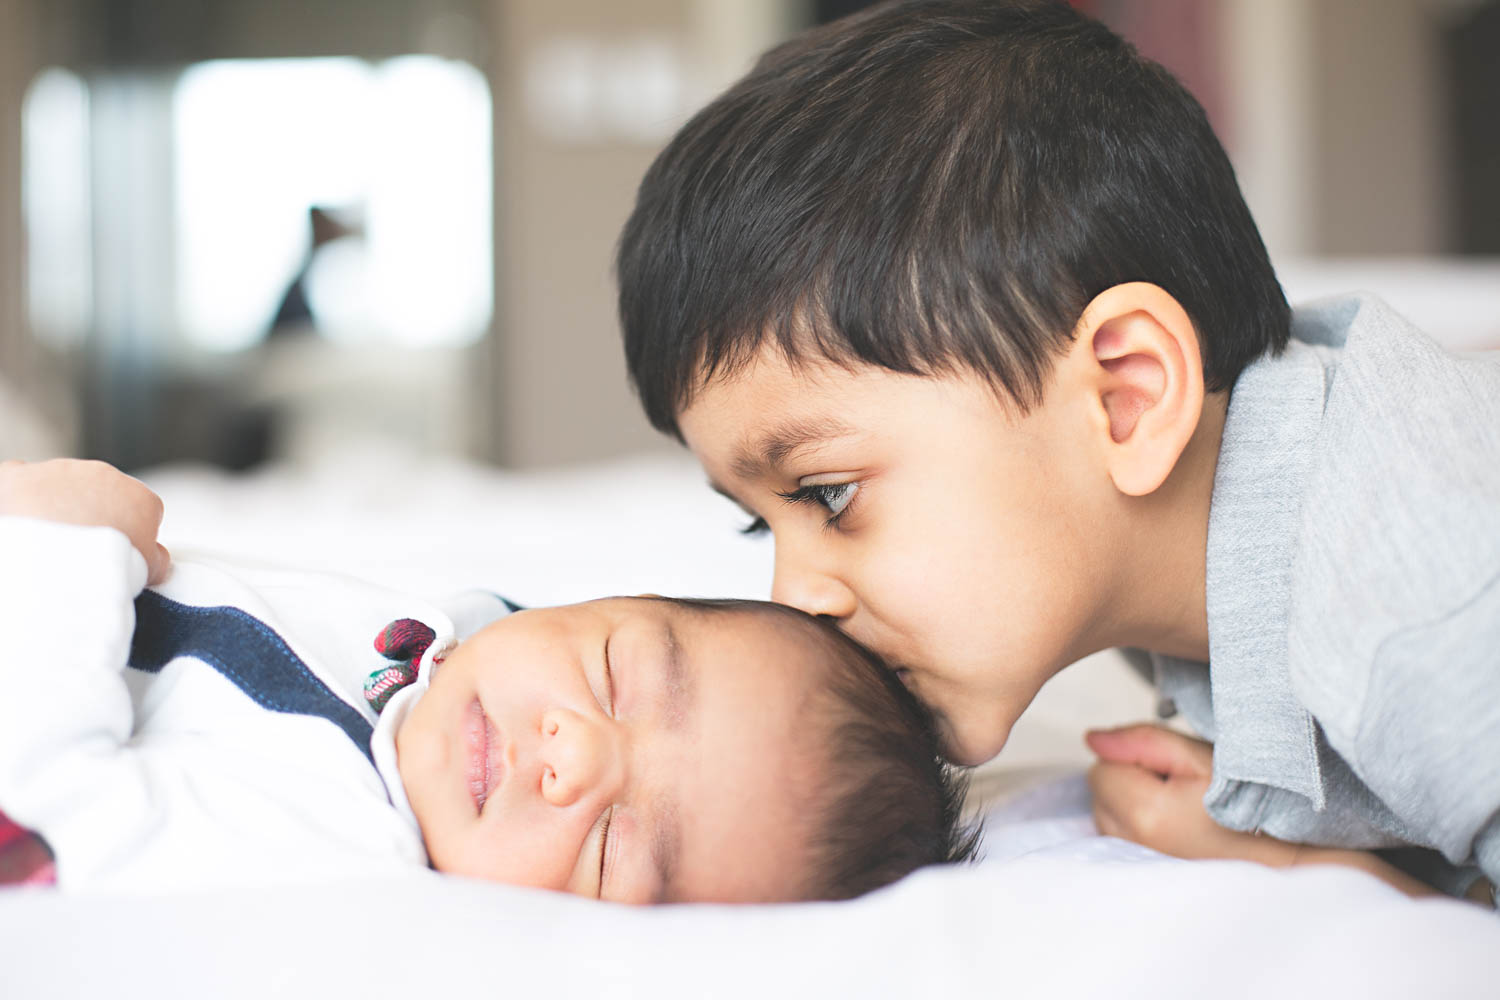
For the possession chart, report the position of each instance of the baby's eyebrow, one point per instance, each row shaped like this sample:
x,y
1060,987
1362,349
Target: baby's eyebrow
x,y
666,844
677,683
678,692
755,458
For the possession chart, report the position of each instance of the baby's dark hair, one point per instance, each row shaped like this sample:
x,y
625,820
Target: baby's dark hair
x,y
882,802
931,186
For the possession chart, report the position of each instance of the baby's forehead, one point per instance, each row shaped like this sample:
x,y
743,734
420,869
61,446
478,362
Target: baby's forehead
x,y
749,626
761,617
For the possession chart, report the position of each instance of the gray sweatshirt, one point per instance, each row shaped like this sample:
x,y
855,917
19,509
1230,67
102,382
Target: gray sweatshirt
x,y
1353,684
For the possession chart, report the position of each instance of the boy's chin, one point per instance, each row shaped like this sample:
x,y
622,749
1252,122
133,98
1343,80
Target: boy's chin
x,y
971,749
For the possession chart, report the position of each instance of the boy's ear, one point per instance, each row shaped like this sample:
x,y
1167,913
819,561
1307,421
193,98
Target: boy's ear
x,y
1138,354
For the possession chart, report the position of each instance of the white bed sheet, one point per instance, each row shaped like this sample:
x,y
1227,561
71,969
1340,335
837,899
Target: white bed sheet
x,y
1042,926
1054,910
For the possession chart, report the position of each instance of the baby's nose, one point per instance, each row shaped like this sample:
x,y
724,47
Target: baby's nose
x,y
578,758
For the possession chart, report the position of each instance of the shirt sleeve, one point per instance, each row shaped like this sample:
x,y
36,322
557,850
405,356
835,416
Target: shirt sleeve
x,y
67,613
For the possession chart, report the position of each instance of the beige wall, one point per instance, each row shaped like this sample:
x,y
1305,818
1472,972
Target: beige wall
x,y
13,76
1338,114
559,390
1380,160
558,378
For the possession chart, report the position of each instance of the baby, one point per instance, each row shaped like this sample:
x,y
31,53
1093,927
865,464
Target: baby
x,y
233,724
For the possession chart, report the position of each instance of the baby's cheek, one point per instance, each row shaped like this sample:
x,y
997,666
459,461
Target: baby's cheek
x,y
413,754
524,843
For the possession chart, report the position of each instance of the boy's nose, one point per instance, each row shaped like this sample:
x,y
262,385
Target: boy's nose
x,y
810,589
578,757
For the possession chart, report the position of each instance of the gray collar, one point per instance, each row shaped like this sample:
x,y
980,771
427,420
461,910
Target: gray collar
x,y
1261,731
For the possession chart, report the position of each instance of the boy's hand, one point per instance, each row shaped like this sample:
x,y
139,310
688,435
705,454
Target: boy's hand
x,y
1148,787
71,491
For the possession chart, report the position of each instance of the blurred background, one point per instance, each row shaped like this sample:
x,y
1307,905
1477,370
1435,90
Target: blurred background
x,y
241,231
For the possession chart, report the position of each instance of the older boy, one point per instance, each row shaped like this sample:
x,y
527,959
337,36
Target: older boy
x,y
226,726
951,298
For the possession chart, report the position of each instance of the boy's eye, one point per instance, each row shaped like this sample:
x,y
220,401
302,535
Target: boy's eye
x,y
832,497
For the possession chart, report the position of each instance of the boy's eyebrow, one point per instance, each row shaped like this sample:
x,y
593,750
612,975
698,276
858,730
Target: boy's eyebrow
x,y
755,458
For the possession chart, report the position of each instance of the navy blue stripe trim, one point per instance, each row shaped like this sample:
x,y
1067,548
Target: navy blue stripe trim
x,y
245,650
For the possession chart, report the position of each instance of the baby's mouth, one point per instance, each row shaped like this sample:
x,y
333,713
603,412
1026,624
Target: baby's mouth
x,y
486,763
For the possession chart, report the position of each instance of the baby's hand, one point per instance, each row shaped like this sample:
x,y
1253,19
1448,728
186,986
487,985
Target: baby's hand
x,y
1148,787
72,491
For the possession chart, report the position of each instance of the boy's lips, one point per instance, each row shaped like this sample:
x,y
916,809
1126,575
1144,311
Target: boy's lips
x,y
486,756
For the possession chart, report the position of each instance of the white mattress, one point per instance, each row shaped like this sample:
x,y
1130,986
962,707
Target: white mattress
x,y
1054,910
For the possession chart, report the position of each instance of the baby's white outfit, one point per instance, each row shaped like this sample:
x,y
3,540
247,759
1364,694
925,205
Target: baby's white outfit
x,y
210,731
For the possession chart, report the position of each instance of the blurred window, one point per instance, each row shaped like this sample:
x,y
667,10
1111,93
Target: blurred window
x,y
403,147
211,173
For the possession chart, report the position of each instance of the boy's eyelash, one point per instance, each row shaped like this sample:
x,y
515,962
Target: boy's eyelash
x,y
820,495
817,495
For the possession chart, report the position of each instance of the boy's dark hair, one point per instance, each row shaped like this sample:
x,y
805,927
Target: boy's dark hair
x,y
935,185
883,801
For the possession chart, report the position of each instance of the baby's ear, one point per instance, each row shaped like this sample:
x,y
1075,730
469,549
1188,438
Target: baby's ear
x,y
1144,371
